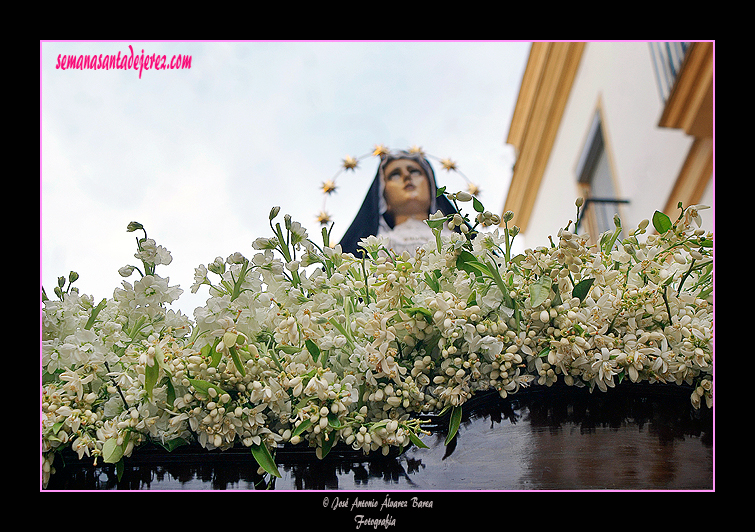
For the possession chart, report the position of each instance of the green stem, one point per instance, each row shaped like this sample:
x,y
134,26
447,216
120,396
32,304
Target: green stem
x,y
508,242
665,301
238,282
684,278
123,398
366,281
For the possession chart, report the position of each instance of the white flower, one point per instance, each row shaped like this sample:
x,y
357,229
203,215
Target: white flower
x,y
333,252
200,278
373,244
317,386
151,253
488,346
298,233
217,266
265,243
75,383
126,271
235,258
152,291
692,213
267,261
430,335
604,368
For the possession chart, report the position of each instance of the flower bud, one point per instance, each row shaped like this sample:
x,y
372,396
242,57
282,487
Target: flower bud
x,y
236,258
229,339
393,401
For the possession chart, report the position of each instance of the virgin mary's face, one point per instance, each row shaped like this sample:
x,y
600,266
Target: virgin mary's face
x,y
407,189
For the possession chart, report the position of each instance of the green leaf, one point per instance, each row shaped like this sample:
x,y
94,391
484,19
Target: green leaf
x,y
469,263
304,425
416,440
204,387
432,282
313,349
540,290
95,311
582,289
237,360
151,373
418,310
120,467
265,460
661,222
111,451
47,378
325,237
435,223
289,349
472,299
173,444
557,298
334,422
453,424
477,205
212,350
440,192
171,390
327,444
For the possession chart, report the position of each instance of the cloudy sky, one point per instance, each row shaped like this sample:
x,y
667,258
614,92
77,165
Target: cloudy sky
x,y
200,155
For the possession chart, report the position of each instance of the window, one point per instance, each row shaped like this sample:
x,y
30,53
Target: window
x,y
596,184
667,61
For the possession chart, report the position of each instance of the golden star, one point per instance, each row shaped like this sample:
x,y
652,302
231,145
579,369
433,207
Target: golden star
x,y
417,150
473,189
448,164
349,163
328,187
380,150
323,218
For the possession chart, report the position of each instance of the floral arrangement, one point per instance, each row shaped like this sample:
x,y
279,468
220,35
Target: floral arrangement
x,y
305,345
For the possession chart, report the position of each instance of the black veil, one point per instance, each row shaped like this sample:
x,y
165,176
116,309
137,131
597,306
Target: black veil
x,y
372,214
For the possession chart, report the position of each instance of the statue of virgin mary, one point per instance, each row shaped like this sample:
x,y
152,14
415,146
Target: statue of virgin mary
x,y
400,199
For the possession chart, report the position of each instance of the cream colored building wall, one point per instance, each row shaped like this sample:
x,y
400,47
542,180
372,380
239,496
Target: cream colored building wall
x,y
617,80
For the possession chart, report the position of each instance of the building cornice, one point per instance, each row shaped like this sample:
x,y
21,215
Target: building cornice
x,y
690,104
689,107
546,84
